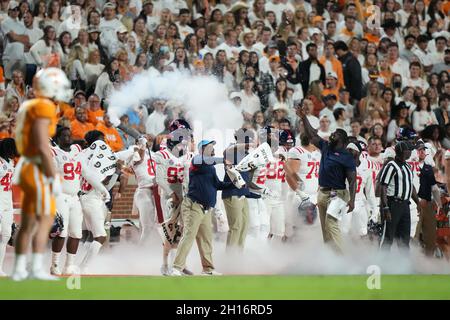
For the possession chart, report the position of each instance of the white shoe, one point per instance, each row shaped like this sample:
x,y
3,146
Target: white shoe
x,y
176,273
2,274
42,275
19,275
71,269
55,270
165,271
84,270
211,273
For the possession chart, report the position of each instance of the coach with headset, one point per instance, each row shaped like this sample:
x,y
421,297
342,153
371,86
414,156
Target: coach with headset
x,y
337,166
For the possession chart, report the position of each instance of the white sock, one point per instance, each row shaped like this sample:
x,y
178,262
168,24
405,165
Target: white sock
x,y
2,253
37,261
20,263
86,245
172,254
56,257
70,259
92,253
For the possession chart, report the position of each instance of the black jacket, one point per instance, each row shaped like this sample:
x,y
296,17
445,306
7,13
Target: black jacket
x,y
440,116
301,75
352,75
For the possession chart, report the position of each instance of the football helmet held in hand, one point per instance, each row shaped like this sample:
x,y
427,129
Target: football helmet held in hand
x,y
307,211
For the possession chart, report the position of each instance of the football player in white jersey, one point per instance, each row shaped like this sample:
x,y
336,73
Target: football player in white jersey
x,y
303,167
67,203
275,181
8,152
302,176
259,222
172,173
365,194
100,170
374,149
140,159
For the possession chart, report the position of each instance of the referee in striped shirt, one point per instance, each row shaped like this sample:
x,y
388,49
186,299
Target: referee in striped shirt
x,y
397,189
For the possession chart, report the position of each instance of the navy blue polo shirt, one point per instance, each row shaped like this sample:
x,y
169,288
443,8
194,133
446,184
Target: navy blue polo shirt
x,y
204,183
427,181
333,166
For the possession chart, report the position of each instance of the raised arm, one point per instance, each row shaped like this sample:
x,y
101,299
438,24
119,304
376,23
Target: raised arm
x,y
309,130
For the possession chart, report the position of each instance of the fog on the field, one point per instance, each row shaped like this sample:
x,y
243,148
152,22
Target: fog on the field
x,y
308,255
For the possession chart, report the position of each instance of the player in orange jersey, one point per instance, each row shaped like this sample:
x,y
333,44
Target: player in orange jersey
x,y
36,173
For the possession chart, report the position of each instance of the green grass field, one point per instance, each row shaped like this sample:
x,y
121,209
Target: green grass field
x,y
233,287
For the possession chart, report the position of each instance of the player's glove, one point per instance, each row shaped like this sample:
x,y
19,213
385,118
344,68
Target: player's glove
x,y
303,195
55,184
222,223
269,194
106,197
235,177
374,215
142,143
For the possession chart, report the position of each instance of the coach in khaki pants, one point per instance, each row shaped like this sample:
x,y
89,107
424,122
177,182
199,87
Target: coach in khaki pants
x,y
337,165
331,231
197,225
236,207
196,209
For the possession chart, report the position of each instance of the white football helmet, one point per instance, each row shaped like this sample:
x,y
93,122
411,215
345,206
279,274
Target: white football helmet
x,y
52,83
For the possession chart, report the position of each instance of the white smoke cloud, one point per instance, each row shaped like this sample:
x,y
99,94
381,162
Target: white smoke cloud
x,y
204,98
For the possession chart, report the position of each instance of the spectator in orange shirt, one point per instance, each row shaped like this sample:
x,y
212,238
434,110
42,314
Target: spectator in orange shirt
x,y
80,126
67,111
112,136
331,85
95,113
4,126
332,64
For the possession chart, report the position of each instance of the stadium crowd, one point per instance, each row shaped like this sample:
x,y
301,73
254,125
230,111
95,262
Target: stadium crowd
x,y
368,72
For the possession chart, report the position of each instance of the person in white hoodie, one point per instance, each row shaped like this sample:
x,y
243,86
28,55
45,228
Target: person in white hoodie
x,y
155,123
423,116
99,170
15,39
109,25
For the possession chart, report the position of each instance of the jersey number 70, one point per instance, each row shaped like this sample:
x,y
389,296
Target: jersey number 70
x,y
314,169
